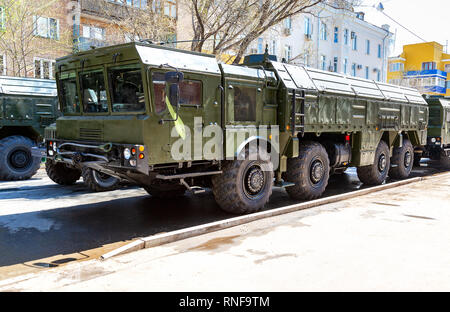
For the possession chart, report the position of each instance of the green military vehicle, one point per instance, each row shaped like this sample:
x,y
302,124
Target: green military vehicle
x,y
438,141
148,114
27,106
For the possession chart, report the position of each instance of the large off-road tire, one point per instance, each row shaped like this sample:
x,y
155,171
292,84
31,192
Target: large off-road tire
x,y
165,190
310,172
61,173
99,182
245,185
376,173
402,161
16,161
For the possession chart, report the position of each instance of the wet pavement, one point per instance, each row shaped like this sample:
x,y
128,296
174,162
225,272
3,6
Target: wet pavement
x,y
45,225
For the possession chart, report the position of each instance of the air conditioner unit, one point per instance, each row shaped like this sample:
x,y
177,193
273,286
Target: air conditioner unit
x,y
308,36
287,31
359,66
375,70
352,35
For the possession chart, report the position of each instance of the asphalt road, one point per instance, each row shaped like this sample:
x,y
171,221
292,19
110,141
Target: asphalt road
x,y
45,225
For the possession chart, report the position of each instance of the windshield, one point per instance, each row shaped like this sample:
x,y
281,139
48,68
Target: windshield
x,y
127,90
70,102
93,92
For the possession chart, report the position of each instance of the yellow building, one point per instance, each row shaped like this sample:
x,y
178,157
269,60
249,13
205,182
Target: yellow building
x,y
423,66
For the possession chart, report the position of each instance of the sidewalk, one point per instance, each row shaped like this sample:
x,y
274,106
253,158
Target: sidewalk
x,y
393,240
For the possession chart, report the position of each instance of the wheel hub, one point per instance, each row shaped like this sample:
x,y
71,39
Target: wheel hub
x,y
19,159
382,163
317,171
255,180
408,158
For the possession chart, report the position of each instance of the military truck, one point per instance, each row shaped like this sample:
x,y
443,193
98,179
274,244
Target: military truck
x,y
438,142
27,106
129,108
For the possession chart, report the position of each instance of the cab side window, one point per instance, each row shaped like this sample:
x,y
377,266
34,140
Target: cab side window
x,y
159,92
244,103
191,93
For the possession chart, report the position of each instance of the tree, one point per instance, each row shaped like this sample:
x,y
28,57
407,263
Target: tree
x,y
221,26
136,23
23,35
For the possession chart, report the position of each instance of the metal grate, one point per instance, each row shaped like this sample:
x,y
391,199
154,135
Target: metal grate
x,y
91,134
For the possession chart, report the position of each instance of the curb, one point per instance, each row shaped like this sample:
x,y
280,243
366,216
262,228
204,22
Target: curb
x,y
160,239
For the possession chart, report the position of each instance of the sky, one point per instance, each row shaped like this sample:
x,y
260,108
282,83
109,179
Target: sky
x,y
429,19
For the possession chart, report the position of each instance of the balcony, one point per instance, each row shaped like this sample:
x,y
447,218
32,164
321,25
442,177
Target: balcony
x,y
84,44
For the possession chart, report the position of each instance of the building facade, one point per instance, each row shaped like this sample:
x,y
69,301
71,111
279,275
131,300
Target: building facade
x,y
330,39
62,27
423,66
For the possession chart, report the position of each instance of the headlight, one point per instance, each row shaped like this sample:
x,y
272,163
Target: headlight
x,y
54,146
50,152
433,140
127,153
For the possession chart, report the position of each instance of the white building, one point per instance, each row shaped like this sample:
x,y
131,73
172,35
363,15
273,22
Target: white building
x,y
330,39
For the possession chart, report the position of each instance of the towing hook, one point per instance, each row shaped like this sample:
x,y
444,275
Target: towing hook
x,y
106,148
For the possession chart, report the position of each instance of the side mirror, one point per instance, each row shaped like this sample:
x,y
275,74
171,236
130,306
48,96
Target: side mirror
x,y
174,94
174,77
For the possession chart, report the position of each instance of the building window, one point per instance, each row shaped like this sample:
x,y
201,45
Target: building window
x,y
323,62
2,64
379,51
132,3
2,18
368,47
378,75
396,67
448,84
354,41
93,32
345,65
336,34
323,31
287,52
335,64
307,26
170,8
428,66
354,70
44,68
367,72
306,58
46,27
260,45
346,36
288,23
274,47
447,68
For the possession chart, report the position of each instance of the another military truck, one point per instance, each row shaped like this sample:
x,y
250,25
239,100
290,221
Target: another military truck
x,y
438,141
27,106
130,109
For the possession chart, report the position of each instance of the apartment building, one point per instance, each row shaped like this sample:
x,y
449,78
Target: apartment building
x,y
423,66
62,27
331,39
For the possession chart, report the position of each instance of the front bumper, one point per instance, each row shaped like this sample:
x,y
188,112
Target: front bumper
x,y
108,156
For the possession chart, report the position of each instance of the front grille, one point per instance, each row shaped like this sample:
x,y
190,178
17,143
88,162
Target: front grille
x,y
91,134
50,134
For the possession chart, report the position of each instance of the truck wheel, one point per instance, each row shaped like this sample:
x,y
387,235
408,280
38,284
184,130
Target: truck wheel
x,y
309,171
61,173
403,158
16,161
376,173
99,182
165,190
245,185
